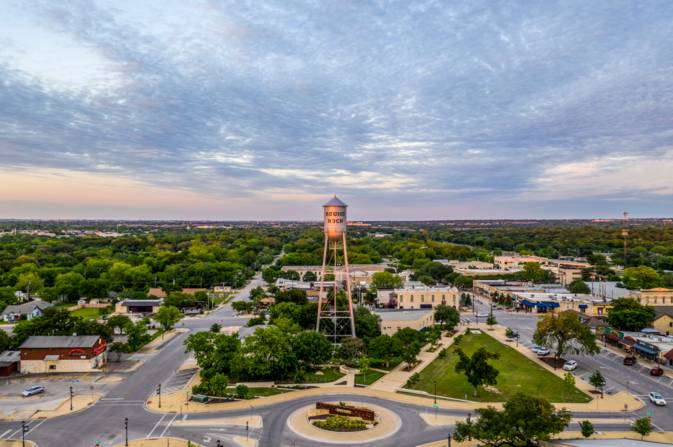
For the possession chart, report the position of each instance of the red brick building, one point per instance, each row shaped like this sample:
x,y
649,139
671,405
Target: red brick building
x,y
41,354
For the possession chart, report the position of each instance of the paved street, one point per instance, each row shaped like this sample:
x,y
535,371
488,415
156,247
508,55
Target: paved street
x,y
104,422
635,379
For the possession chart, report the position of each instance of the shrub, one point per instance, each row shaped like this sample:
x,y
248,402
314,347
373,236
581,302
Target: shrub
x,y
341,423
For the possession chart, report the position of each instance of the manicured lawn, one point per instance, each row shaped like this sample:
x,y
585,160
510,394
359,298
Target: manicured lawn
x,y
517,374
369,378
328,375
87,313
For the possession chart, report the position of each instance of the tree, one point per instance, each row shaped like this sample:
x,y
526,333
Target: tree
x,y
523,421
384,348
350,350
566,334
587,428
215,352
242,306
242,391
216,328
627,314
137,336
597,380
465,299
5,341
310,277
118,323
386,280
447,316
291,296
119,348
311,348
533,272
367,324
476,368
578,286
641,277
268,354
167,316
490,320
69,285
642,426
29,282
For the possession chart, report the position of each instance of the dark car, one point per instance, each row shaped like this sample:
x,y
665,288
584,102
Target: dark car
x,y
656,371
630,360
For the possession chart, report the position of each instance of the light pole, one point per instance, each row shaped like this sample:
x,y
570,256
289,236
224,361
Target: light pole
x,y
126,430
159,394
448,439
24,429
434,382
70,397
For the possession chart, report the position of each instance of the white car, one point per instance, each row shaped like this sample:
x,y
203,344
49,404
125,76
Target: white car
x,y
570,365
482,315
536,348
542,351
33,390
656,398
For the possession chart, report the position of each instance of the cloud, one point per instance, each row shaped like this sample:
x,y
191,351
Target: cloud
x,y
475,103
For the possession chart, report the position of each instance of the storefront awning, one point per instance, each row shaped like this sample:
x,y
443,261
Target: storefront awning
x,y
583,306
646,349
529,303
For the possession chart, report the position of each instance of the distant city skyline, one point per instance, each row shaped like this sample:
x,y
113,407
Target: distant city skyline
x,y
406,110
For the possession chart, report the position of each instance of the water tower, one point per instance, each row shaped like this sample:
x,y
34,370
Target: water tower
x,y
335,317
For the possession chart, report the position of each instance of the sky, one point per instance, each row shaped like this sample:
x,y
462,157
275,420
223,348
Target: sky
x,y
264,109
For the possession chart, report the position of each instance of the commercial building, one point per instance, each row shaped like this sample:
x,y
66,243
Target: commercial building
x,y
663,322
392,321
30,310
424,297
43,354
138,306
658,296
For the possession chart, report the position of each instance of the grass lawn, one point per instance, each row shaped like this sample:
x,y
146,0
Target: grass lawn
x,y
517,373
328,375
87,313
371,377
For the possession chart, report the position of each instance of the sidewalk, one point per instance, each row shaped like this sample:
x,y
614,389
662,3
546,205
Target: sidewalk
x,y
398,377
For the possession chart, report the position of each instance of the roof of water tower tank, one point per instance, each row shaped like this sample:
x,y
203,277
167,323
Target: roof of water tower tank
x,y
334,201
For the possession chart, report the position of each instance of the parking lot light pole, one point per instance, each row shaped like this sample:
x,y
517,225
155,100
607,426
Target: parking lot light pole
x,y
126,430
448,439
70,397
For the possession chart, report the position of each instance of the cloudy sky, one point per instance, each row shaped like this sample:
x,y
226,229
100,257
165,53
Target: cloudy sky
x,y
406,110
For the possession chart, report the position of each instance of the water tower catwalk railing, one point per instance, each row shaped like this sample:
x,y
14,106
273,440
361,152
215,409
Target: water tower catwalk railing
x,y
335,319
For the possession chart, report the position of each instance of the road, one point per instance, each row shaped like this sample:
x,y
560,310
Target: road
x,y
104,422
634,379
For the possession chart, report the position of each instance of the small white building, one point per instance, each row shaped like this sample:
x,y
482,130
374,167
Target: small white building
x,y
394,320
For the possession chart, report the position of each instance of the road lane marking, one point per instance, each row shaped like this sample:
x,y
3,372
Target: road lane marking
x,y
9,431
168,426
155,425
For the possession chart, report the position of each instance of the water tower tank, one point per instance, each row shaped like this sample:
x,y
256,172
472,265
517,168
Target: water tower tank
x,y
335,218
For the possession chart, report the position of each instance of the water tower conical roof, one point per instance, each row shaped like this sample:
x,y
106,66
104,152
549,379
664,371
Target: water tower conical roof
x,y
334,201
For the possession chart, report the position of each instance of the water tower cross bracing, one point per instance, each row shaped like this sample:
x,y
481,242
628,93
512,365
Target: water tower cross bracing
x,y
335,315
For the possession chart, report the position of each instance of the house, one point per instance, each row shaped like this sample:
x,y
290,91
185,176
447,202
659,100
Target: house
x,y
9,362
138,306
663,322
62,353
30,309
392,321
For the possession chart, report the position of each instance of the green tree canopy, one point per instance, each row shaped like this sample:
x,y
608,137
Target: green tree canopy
x,y
447,316
578,286
167,316
476,368
641,277
565,333
386,280
523,421
367,324
312,348
627,314
384,348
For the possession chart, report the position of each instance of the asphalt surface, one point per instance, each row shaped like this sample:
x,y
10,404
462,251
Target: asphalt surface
x,y
103,423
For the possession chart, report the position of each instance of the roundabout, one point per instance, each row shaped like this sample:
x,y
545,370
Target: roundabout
x,y
384,423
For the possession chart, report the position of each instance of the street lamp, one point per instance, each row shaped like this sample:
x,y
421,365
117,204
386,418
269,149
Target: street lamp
x,y
126,430
24,429
159,394
70,397
448,439
434,382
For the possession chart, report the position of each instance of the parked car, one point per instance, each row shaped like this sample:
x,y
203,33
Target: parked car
x,y
630,360
657,371
570,365
543,351
536,348
33,390
656,398
482,315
